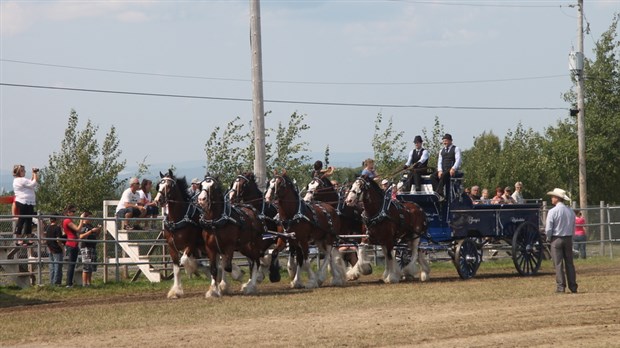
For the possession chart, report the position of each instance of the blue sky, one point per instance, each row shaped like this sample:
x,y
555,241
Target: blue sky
x,y
401,53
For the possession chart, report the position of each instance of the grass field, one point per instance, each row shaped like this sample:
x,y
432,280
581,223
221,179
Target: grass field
x,y
497,308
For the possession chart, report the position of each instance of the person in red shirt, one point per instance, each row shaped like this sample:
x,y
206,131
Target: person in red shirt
x,y
580,234
70,233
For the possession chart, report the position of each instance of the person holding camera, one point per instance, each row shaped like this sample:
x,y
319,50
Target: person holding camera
x,y
25,200
87,235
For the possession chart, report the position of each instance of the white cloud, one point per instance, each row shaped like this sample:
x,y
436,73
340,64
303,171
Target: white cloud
x,y
19,17
14,18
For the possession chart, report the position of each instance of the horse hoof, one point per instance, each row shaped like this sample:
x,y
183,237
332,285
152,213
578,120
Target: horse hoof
x,y
424,277
366,268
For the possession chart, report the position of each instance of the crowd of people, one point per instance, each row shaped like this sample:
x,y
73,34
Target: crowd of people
x,y
66,240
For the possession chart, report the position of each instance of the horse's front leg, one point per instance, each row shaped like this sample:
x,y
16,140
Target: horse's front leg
x,y
362,266
214,290
391,275
322,271
295,263
176,290
250,288
337,266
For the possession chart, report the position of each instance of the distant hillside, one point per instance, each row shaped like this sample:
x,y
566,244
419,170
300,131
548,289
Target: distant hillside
x,y
196,169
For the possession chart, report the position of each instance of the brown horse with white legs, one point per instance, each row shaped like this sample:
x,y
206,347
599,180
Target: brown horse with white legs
x,y
310,222
389,222
350,223
228,228
181,229
245,190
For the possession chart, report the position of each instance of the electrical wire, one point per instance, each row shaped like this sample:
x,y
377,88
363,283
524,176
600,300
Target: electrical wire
x,y
276,101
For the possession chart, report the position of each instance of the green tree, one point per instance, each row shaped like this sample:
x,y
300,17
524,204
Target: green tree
x,y
225,152
82,172
433,143
480,162
388,146
288,150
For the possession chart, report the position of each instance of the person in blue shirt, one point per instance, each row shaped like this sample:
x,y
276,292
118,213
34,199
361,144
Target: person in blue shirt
x,y
369,169
559,228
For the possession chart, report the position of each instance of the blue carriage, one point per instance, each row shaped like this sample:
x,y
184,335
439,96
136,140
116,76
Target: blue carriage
x,y
465,229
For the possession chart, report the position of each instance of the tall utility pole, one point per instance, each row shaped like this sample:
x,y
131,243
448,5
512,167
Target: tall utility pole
x,y
581,128
258,109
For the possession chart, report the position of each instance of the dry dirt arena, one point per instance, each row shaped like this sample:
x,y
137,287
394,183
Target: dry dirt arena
x,y
498,308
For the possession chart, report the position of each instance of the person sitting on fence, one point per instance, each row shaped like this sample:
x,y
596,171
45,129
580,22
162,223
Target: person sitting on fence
x,y
87,234
129,205
150,208
53,234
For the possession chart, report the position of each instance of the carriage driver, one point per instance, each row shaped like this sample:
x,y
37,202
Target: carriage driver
x,y
417,163
323,174
447,165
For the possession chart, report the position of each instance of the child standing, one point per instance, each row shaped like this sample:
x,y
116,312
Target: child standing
x,y
53,233
87,234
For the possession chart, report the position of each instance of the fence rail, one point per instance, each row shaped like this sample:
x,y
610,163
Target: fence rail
x,y
143,251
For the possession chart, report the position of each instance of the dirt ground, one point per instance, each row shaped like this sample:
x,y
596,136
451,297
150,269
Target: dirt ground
x,y
489,311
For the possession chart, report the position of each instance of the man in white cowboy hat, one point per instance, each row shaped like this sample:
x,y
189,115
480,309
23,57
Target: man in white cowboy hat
x,y
559,228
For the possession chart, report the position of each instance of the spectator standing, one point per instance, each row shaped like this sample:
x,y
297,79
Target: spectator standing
x,y
559,228
129,205
369,169
88,249
447,165
53,234
417,163
25,200
71,231
580,234
518,195
194,190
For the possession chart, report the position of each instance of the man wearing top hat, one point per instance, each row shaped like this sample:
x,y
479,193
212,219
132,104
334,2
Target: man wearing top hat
x,y
559,228
447,165
417,163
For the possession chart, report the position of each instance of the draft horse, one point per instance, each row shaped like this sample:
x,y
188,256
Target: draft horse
x,y
350,223
181,228
389,222
310,222
244,190
227,228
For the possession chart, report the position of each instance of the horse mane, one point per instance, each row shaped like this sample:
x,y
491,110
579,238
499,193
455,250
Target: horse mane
x,y
183,186
289,181
373,184
252,182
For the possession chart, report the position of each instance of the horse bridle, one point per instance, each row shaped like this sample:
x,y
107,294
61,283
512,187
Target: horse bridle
x,y
168,181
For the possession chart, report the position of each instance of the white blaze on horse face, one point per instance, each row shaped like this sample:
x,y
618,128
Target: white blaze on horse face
x,y
312,186
270,190
354,193
205,187
160,192
233,190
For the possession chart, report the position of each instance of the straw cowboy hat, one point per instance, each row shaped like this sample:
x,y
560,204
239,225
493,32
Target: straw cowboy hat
x,y
558,192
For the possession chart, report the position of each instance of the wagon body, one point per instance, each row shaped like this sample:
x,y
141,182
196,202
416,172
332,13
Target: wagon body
x,y
463,228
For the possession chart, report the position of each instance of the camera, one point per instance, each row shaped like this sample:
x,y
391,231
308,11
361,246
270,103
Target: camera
x,y
35,170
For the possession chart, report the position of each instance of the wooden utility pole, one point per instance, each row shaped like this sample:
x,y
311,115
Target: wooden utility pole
x,y
581,128
258,109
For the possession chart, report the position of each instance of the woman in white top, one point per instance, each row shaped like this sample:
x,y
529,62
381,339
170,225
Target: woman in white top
x,y
25,200
151,209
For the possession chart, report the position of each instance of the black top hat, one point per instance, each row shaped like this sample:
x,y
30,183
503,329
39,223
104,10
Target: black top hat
x,y
447,136
417,139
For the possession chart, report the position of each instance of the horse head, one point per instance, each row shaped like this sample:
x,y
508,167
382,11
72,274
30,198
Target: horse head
x,y
211,197
240,188
313,186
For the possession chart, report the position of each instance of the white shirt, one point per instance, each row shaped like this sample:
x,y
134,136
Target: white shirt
x,y
24,190
424,157
128,197
145,197
457,158
560,221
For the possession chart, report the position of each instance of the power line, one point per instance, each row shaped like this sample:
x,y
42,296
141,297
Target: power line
x,y
287,82
276,101
517,4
